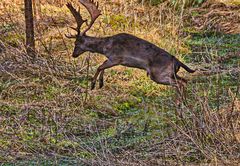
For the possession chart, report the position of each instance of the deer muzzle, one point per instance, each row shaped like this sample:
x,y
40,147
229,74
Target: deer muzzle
x,y
77,52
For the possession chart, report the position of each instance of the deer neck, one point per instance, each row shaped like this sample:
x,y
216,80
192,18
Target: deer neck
x,y
95,44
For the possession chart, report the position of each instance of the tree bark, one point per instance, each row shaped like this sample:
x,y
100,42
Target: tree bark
x,y
30,43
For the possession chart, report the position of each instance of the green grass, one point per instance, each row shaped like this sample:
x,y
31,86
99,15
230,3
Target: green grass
x,y
50,117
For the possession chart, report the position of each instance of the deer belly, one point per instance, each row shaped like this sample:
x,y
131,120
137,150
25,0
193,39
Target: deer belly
x,y
134,62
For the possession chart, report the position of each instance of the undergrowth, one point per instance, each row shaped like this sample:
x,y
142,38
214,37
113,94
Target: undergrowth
x,y
49,116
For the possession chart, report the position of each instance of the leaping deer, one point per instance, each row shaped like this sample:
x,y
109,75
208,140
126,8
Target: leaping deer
x,y
125,49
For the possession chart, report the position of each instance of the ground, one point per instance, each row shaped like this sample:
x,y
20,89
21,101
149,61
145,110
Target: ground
x,y
50,116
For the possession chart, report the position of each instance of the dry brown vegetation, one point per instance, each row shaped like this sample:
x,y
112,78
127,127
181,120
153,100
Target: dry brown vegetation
x,y
49,116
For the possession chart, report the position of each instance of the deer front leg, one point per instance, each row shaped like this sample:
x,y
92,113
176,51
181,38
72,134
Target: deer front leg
x,y
101,79
107,64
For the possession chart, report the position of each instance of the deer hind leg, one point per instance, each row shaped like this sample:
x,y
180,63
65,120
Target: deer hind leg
x,y
167,79
161,74
107,64
162,79
180,87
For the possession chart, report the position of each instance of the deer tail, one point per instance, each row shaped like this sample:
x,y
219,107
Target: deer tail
x,y
185,67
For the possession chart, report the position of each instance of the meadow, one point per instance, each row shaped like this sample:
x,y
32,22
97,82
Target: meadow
x,y
49,115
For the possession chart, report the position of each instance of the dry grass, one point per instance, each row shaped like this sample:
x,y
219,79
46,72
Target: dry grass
x,y
49,116
216,17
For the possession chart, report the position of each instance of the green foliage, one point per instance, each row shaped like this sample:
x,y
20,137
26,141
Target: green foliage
x,y
116,21
126,106
216,46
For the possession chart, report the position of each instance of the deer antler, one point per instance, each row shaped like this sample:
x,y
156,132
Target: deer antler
x,y
92,8
76,14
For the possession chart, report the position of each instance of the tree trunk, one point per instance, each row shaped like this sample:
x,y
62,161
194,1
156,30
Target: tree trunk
x,y
30,43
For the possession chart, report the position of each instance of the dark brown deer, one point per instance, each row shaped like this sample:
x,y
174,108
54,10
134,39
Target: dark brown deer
x,y
125,49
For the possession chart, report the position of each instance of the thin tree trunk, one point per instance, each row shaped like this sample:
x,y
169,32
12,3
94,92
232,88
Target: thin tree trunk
x,y
30,43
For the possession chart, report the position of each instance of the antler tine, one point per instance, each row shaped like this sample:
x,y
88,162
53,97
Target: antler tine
x,y
92,8
76,14
70,35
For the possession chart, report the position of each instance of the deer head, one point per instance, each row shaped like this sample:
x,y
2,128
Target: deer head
x,y
92,8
